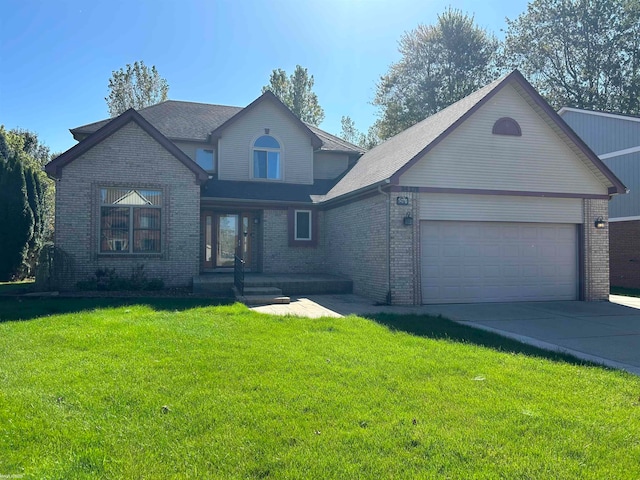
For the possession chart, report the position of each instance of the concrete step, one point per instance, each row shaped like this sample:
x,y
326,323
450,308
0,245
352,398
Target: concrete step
x,y
264,291
261,296
263,300
294,284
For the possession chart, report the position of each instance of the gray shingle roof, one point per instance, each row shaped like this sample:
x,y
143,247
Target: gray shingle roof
x,y
331,142
382,161
266,191
178,120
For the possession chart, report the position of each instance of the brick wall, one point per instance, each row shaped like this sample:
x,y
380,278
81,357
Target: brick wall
x,y
596,251
128,158
279,257
624,248
356,245
405,252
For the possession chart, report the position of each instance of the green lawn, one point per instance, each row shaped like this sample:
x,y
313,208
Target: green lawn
x,y
178,389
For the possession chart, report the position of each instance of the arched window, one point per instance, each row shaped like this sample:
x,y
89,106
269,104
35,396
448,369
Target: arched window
x,y
266,158
507,126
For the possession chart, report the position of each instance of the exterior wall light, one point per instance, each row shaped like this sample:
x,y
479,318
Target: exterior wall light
x,y
600,223
408,219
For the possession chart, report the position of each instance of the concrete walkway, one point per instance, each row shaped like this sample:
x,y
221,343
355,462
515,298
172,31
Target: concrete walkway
x,y
603,332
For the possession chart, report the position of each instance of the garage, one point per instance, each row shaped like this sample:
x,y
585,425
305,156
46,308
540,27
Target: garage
x,y
476,261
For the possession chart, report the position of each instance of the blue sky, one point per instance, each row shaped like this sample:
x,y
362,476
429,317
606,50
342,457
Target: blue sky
x,y
57,55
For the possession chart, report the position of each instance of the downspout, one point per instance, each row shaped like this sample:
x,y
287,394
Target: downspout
x,y
388,195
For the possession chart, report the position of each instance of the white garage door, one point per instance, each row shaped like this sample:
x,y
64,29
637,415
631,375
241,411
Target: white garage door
x,y
465,262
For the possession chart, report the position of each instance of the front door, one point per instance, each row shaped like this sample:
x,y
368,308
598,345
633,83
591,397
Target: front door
x,y
226,234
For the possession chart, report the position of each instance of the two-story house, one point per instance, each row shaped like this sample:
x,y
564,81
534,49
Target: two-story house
x,y
491,199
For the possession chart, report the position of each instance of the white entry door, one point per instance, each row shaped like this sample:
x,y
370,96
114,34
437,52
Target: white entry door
x,y
468,262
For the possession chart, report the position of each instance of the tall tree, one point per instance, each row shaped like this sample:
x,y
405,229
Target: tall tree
x,y
580,53
351,134
135,86
296,92
26,202
440,64
16,217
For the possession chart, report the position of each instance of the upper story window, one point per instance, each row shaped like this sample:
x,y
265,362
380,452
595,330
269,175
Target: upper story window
x,y
130,220
507,126
266,158
206,159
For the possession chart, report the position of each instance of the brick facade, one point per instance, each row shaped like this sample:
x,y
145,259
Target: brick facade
x,y
405,252
365,240
624,248
357,245
279,257
129,153
595,251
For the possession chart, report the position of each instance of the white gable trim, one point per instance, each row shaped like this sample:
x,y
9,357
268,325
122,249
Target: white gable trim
x,y
599,114
624,219
619,153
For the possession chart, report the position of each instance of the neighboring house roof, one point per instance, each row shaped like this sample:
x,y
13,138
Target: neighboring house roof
x,y
195,122
265,191
599,113
53,168
387,161
608,134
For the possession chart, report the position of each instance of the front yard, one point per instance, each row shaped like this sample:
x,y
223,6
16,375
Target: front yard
x,y
177,389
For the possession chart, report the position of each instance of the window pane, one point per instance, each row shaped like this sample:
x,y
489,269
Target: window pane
x,y
126,196
259,164
273,170
147,218
146,241
303,225
266,141
114,225
204,158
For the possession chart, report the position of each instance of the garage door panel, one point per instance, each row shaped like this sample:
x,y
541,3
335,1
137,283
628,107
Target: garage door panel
x,y
466,262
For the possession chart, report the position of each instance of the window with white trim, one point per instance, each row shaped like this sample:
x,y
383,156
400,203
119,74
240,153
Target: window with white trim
x,y
206,159
266,158
302,225
130,220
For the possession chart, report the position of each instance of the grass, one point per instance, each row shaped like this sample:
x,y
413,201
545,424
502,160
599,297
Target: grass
x,y
178,389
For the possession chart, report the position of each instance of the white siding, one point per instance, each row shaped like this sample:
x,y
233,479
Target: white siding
x,y
234,147
474,158
499,208
329,165
190,148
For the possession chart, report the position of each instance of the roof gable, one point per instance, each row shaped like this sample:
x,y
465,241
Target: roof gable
x,y
268,96
54,168
389,160
473,157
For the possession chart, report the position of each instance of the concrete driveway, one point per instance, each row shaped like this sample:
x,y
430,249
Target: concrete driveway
x,y
602,332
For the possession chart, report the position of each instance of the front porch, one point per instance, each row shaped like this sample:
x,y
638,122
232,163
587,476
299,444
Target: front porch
x,y
289,283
